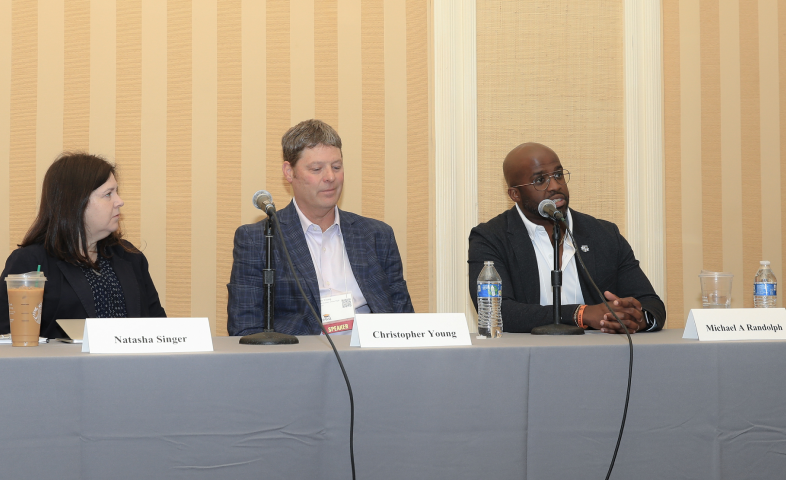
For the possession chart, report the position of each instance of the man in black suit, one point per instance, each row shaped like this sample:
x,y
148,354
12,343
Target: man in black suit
x,y
519,243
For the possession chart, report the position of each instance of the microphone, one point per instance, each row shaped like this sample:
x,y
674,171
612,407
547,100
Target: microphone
x,y
264,201
548,209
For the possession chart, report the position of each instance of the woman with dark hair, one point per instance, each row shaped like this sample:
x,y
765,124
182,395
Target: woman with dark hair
x,y
76,240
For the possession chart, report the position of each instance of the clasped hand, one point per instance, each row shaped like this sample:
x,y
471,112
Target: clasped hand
x,y
628,310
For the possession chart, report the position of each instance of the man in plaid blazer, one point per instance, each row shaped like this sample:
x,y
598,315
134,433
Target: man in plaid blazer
x,y
333,251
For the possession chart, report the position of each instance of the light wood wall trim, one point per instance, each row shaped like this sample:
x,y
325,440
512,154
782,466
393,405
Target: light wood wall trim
x,y
50,86
178,158
5,125
24,89
644,156
455,133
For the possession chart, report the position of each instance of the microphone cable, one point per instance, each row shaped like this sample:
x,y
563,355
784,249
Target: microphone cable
x,y
630,345
338,357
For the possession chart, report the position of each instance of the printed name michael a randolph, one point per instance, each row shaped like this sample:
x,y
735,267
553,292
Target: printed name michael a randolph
x,y
744,328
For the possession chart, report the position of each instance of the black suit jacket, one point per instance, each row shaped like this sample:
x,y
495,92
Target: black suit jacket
x,y
609,259
67,293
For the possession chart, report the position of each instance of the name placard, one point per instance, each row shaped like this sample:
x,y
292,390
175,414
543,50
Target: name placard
x,y
736,324
403,330
147,335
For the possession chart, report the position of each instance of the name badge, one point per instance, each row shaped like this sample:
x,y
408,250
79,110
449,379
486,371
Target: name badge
x,y
147,335
403,330
338,313
736,324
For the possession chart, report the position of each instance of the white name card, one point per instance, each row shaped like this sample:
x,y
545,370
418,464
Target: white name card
x,y
403,330
736,324
147,335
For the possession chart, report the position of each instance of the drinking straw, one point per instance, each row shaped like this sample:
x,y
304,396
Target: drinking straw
x,y
37,283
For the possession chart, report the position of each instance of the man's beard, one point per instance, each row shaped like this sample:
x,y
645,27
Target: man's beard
x,y
533,207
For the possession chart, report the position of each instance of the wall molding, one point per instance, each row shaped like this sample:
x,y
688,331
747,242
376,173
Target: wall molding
x,y
455,135
644,151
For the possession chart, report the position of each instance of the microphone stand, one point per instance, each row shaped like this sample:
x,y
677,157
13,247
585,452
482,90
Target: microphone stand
x,y
268,336
557,328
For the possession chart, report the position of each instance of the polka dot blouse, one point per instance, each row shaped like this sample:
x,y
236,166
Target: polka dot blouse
x,y
107,292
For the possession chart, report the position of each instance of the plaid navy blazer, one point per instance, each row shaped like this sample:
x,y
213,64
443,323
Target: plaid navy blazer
x,y
372,252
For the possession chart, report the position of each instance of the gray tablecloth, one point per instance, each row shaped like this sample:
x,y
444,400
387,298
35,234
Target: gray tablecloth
x,y
517,407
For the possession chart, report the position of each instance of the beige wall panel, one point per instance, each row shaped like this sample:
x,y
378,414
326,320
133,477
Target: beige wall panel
x,y
5,125
103,82
396,204
731,144
178,158
230,104
711,172
730,135
128,115
418,194
351,106
750,184
326,61
301,38
22,164
782,107
76,108
373,58
204,55
190,99
253,152
559,81
153,226
673,177
278,96
690,148
770,138
49,116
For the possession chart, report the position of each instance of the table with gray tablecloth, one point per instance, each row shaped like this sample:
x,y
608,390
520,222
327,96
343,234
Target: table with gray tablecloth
x,y
517,407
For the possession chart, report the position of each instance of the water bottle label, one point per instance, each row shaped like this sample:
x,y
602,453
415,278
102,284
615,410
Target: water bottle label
x,y
489,290
765,289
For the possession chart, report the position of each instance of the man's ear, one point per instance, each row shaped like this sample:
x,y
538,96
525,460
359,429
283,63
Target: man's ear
x,y
289,173
514,194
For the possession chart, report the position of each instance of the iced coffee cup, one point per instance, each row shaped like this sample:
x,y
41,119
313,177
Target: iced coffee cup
x,y
25,297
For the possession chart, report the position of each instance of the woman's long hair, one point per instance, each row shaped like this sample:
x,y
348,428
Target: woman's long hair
x,y
60,224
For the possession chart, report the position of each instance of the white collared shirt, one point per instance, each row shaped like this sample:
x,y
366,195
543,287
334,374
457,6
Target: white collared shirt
x,y
544,252
329,256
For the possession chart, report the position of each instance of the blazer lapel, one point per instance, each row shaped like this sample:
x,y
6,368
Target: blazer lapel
x,y
525,259
78,282
125,274
298,251
357,255
585,241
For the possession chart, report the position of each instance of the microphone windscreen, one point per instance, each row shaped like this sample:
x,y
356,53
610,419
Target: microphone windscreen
x,y
261,198
547,208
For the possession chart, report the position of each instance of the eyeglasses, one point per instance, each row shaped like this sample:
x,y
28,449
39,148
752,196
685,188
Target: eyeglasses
x,y
542,181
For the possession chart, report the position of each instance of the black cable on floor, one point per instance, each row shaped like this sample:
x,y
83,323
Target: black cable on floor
x,y
338,357
630,345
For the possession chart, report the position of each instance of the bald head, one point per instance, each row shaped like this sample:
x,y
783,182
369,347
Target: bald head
x,y
520,161
524,165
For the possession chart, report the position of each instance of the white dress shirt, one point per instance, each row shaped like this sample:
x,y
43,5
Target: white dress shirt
x,y
544,252
329,255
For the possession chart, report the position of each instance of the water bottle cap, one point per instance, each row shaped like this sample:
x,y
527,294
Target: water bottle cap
x,y
488,262
764,262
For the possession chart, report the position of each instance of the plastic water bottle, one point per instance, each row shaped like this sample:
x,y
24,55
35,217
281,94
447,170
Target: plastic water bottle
x,y
489,302
765,287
